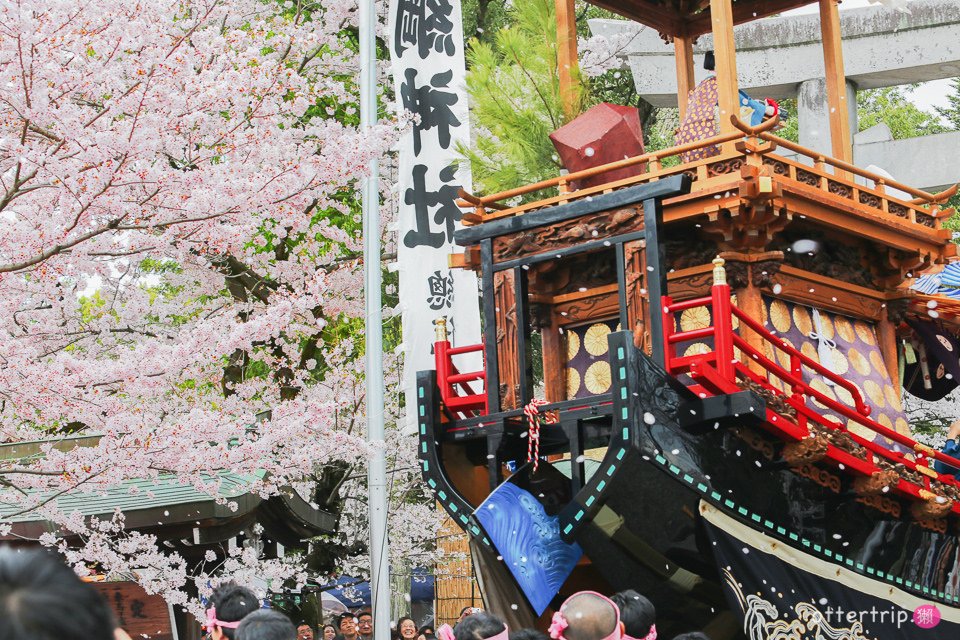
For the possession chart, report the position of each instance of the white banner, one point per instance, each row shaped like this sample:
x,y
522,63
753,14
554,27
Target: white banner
x,y
428,71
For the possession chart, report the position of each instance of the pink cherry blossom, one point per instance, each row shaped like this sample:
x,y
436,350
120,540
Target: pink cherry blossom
x,y
153,156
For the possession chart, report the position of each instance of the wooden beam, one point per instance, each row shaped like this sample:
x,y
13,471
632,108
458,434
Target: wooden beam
x,y
683,51
887,337
567,61
665,19
726,57
836,80
743,11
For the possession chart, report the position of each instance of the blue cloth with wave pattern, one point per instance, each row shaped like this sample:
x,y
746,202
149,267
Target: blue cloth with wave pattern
x,y
529,542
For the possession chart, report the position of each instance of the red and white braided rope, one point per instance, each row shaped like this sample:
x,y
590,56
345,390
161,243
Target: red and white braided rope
x,y
534,420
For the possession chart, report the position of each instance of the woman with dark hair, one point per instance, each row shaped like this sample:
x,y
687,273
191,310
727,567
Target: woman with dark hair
x,y
329,632
41,598
426,632
479,626
406,628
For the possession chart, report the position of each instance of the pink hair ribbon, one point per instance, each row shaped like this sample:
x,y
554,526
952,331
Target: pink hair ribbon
x,y
213,622
557,626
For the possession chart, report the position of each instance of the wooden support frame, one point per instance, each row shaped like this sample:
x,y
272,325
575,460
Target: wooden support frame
x,y
836,81
683,52
568,67
726,71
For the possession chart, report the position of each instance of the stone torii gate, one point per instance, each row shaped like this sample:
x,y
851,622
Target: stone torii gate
x,y
781,57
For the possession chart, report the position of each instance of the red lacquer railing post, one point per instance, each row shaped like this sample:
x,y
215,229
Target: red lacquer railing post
x,y
722,322
440,358
455,389
669,349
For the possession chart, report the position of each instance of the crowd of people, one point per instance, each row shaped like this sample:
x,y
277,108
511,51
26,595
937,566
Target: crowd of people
x,y
43,599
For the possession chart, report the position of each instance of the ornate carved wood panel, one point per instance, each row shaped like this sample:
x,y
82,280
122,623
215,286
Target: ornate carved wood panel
x,y
568,233
506,308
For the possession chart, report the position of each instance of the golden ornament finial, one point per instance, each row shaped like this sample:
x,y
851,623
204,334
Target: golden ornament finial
x,y
719,273
440,325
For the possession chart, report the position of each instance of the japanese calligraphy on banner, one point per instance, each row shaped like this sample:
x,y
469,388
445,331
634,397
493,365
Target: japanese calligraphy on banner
x,y
428,71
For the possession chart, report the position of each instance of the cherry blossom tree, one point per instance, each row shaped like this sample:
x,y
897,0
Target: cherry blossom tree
x,y
179,257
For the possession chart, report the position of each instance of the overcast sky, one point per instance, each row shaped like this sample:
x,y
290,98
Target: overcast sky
x,y
928,94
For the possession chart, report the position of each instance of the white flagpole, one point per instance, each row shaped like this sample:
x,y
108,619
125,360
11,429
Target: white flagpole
x,y
377,471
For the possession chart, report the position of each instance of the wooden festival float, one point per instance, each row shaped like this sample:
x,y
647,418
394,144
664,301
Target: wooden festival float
x,y
695,370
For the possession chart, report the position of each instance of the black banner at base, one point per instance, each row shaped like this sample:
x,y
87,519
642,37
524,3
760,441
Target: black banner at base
x,y
781,593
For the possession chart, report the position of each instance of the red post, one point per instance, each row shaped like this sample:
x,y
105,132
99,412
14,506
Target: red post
x,y
722,322
669,350
440,358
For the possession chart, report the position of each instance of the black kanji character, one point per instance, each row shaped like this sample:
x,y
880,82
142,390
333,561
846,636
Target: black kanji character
x,y
433,106
136,608
441,290
447,213
118,608
426,24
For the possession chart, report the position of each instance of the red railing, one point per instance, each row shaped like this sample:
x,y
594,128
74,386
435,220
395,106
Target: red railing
x,y
719,370
458,396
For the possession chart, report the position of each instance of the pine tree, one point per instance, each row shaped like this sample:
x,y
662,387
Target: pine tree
x,y
515,97
951,113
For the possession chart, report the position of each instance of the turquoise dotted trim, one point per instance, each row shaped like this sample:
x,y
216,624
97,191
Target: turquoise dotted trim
x,y
807,544
452,507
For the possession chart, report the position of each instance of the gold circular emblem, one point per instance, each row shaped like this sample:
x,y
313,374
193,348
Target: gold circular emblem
x,y
893,398
810,351
860,430
573,346
801,318
902,426
782,356
573,383
844,396
845,329
595,340
780,316
859,363
865,333
885,420
839,362
597,377
696,349
875,393
876,361
695,318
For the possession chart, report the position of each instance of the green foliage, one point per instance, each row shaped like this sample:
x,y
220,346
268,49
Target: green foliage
x,y
892,106
951,113
514,86
482,19
791,126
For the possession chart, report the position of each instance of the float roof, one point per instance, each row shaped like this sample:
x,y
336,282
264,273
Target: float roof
x,y
691,18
